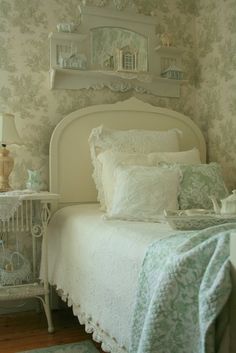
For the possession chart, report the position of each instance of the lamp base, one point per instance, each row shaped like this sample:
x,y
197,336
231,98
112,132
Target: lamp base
x,y
6,166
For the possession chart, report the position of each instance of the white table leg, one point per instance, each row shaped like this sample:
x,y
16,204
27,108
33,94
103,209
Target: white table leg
x,y
45,216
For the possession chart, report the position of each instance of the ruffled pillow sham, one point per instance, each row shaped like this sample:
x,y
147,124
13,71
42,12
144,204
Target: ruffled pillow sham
x,y
130,141
198,183
110,160
142,193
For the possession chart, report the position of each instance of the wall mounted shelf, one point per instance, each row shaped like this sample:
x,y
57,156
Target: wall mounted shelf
x,y
77,60
79,79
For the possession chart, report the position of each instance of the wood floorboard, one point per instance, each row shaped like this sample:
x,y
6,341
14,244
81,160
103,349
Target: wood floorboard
x,y
28,330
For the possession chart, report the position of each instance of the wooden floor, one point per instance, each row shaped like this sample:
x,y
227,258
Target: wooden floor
x,y
28,330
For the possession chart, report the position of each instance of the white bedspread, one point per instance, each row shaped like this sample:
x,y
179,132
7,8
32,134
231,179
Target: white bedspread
x,y
96,263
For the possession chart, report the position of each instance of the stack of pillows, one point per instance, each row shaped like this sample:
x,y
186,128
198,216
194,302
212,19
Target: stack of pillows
x,y
139,173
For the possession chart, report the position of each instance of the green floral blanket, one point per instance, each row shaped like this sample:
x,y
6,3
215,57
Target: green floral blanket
x,y
183,285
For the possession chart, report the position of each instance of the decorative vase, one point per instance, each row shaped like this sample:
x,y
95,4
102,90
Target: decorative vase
x,y
34,181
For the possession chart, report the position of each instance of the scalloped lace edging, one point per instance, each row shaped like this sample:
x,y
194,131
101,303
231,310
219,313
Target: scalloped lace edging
x,y
108,343
8,206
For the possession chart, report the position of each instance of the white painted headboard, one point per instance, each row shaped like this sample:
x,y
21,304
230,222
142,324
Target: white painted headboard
x,y
70,164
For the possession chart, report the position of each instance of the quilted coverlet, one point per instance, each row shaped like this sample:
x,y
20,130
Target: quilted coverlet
x,y
183,285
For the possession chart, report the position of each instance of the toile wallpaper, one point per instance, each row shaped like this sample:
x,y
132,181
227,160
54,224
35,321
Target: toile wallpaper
x,y
208,62
216,86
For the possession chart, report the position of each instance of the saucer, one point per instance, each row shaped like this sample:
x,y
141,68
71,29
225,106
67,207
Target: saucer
x,y
196,211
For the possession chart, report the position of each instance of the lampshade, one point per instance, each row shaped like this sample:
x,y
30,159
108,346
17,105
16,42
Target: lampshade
x,y
8,135
8,132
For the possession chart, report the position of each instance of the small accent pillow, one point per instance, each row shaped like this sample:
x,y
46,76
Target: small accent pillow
x,y
198,183
110,160
142,193
130,141
184,157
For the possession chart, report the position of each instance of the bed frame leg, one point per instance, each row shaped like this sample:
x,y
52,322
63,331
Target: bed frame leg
x,y
46,305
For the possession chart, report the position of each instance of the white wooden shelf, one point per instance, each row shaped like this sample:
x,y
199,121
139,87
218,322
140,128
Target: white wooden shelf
x,y
169,50
68,36
76,62
116,81
22,291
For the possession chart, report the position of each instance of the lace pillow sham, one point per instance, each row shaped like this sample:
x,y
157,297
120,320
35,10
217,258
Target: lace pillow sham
x,y
198,183
110,160
130,141
142,193
142,141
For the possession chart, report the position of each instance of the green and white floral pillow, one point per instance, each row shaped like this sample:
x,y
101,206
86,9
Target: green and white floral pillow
x,y
198,183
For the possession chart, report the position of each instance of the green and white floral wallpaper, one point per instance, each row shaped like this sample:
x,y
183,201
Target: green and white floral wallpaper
x,y
216,86
198,26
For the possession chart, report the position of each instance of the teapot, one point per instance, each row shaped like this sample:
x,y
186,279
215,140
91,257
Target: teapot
x,y
228,205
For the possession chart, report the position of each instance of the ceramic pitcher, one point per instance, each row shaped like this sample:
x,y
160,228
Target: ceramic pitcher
x,y
34,181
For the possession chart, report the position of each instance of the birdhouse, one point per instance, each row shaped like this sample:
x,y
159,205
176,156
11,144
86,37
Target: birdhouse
x,y
127,59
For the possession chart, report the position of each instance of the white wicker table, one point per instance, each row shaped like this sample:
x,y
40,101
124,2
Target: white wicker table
x,y
31,215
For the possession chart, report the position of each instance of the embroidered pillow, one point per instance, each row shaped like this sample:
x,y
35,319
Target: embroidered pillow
x,y
130,141
198,183
142,193
110,160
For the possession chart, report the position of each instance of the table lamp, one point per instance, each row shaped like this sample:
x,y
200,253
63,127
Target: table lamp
x,y
8,135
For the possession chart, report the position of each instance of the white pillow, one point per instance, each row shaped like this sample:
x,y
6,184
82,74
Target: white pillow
x,y
110,160
142,141
184,157
142,193
131,141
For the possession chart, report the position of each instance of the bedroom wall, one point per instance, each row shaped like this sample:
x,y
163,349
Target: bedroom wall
x,y
215,91
24,65
209,63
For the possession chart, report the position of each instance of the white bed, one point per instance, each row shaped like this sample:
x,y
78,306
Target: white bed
x,y
101,285
95,243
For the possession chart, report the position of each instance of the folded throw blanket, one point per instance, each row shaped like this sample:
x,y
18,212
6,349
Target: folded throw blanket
x,y
183,285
